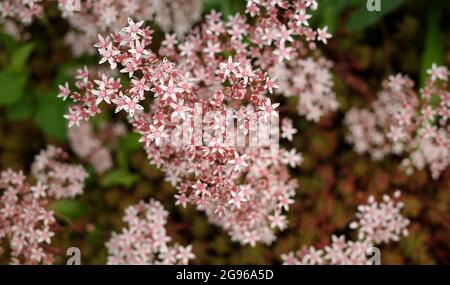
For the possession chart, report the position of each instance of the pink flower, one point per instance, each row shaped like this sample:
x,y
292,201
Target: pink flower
x,y
237,199
139,87
271,84
129,105
323,35
109,54
238,162
134,29
269,109
278,221
157,134
74,117
287,129
292,158
139,50
170,90
438,72
180,110
302,18
227,68
64,91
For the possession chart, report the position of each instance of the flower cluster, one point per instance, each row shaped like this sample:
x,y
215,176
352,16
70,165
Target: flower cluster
x,y
402,121
106,16
305,73
25,220
275,36
229,182
87,18
89,146
377,223
17,13
145,240
311,80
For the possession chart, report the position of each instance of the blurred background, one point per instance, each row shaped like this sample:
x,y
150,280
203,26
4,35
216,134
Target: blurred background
x,y
405,37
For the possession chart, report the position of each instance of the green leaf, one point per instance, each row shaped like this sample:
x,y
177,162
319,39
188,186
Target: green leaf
x,y
50,116
22,109
8,42
121,158
20,57
11,86
361,18
95,236
65,74
227,7
119,177
434,43
130,143
67,70
328,13
70,209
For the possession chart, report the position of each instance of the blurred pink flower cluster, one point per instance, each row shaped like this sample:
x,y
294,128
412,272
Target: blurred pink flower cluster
x,y
377,223
90,146
312,82
17,13
106,16
87,18
145,240
25,221
213,70
405,122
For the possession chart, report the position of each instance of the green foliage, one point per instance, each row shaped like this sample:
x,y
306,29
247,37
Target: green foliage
x,y
119,177
65,72
22,109
226,7
49,116
20,57
329,11
130,143
14,77
8,43
69,209
361,18
12,86
434,45
46,109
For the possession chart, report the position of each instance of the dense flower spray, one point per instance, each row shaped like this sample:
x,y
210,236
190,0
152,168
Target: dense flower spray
x,y
402,121
208,174
145,240
377,223
25,221
215,74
